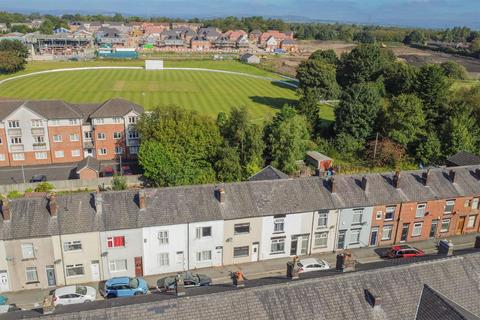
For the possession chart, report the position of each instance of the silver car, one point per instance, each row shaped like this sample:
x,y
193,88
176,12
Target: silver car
x,y
73,294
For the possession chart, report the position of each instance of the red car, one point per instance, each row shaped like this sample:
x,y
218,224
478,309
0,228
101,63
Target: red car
x,y
404,251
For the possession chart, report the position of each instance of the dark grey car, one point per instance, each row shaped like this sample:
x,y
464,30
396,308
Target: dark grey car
x,y
189,280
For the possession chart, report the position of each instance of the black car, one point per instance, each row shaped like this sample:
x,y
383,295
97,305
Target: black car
x,y
189,280
39,178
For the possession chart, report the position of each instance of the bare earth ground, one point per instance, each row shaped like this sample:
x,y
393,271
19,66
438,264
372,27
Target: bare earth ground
x,y
287,64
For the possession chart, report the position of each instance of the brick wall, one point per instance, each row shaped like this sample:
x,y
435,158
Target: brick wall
x,y
66,145
4,148
109,143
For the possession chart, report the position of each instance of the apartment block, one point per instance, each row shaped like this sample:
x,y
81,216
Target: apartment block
x,y
49,132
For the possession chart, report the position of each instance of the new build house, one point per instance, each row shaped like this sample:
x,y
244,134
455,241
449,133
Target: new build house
x,y
61,240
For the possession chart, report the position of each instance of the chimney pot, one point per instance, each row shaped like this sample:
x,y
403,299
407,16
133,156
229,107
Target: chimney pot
x,y
364,183
425,177
5,208
331,182
53,205
396,179
141,199
98,202
220,195
452,175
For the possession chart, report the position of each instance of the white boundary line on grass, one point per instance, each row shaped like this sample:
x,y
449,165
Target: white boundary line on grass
x,y
290,84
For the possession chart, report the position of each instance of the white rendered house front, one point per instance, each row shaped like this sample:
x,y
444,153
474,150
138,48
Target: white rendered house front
x,y
205,244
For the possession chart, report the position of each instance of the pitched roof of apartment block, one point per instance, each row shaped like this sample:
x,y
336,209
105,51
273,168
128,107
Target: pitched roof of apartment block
x,y
116,107
399,291
190,204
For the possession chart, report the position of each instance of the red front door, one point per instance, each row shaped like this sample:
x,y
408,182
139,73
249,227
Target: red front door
x,y
138,267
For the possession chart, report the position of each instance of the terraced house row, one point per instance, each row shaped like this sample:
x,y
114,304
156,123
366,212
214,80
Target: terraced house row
x,y
45,132
56,240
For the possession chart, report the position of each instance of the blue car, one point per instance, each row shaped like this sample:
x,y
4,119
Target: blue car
x,y
125,287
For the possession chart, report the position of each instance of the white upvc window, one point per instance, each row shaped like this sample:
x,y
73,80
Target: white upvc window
x,y
59,154
472,221
72,245
379,215
57,138
163,259
76,153
38,139
28,251
74,137
205,255
117,135
387,233
475,203
88,135
40,155
55,122
101,136
322,219
132,134
277,246
99,121
118,150
132,120
390,213
445,225
449,204
355,236
133,150
14,124
203,232
420,213
37,123
31,274
239,252
102,151
321,239
278,225
16,140
18,156
117,119
117,265
163,237
74,121
357,216
417,229
75,270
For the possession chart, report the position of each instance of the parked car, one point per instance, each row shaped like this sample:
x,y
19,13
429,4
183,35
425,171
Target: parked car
x,y
38,178
311,264
127,171
108,172
9,308
124,287
73,294
403,251
3,300
189,280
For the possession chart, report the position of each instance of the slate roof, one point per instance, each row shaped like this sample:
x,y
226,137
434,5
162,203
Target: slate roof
x,y
116,107
268,173
463,158
88,162
433,305
49,109
317,156
333,297
187,204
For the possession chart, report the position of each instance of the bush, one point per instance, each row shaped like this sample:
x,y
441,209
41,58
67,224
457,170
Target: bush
x,y
28,190
44,187
388,153
14,195
119,183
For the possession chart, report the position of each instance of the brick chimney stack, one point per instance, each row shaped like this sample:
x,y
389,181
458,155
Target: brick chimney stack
x,y
364,183
220,195
53,205
425,177
98,202
452,175
5,208
141,199
396,180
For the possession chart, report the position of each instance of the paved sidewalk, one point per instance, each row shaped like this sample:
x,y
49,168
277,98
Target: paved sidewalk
x,y
254,270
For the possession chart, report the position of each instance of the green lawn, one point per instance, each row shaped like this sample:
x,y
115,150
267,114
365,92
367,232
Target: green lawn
x,y
206,92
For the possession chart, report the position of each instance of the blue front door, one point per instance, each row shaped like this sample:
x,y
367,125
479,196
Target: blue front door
x,y
374,237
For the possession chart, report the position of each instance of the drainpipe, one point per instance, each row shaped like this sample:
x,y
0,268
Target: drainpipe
x,y
188,246
398,223
311,234
335,240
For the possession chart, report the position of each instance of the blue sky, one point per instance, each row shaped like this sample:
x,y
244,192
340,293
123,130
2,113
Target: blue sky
x,y
427,13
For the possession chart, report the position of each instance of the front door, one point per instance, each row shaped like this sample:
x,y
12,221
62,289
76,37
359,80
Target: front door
x,y
95,269
433,229
218,258
4,281
180,259
255,252
304,247
374,237
460,225
51,276
293,246
138,267
404,232
341,240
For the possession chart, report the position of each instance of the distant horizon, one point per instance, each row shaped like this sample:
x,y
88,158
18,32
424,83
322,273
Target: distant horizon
x,y
401,13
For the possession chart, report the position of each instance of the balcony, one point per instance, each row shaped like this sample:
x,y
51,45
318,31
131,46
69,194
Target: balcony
x,y
38,131
15,132
88,144
17,148
39,146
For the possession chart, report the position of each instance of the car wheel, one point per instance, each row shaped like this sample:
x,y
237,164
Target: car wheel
x,y
109,296
138,293
87,301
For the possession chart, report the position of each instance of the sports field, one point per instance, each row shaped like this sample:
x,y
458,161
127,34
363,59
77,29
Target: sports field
x,y
206,92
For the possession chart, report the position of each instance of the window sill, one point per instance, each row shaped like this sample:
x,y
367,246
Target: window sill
x,y
32,282
273,253
320,247
79,276
29,259
72,251
278,232
387,220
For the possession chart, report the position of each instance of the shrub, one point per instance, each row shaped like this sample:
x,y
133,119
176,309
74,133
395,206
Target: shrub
x,y
119,183
44,187
14,194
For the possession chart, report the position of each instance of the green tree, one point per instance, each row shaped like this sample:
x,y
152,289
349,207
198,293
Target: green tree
x,y
14,46
432,87
287,138
329,56
228,167
309,107
416,36
400,78
9,62
405,119
365,63
385,152
429,151
454,70
461,132
318,75
47,27
178,146
119,183
358,110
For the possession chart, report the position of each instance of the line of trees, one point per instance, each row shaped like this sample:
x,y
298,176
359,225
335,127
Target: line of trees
x,y
13,56
413,110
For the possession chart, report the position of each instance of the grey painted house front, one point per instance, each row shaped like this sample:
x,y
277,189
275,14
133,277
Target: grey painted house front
x,y
354,228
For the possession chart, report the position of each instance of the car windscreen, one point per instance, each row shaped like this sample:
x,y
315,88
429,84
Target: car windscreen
x,y
82,290
133,283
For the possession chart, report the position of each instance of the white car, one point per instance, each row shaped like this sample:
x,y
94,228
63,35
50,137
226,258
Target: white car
x,y
73,294
311,264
